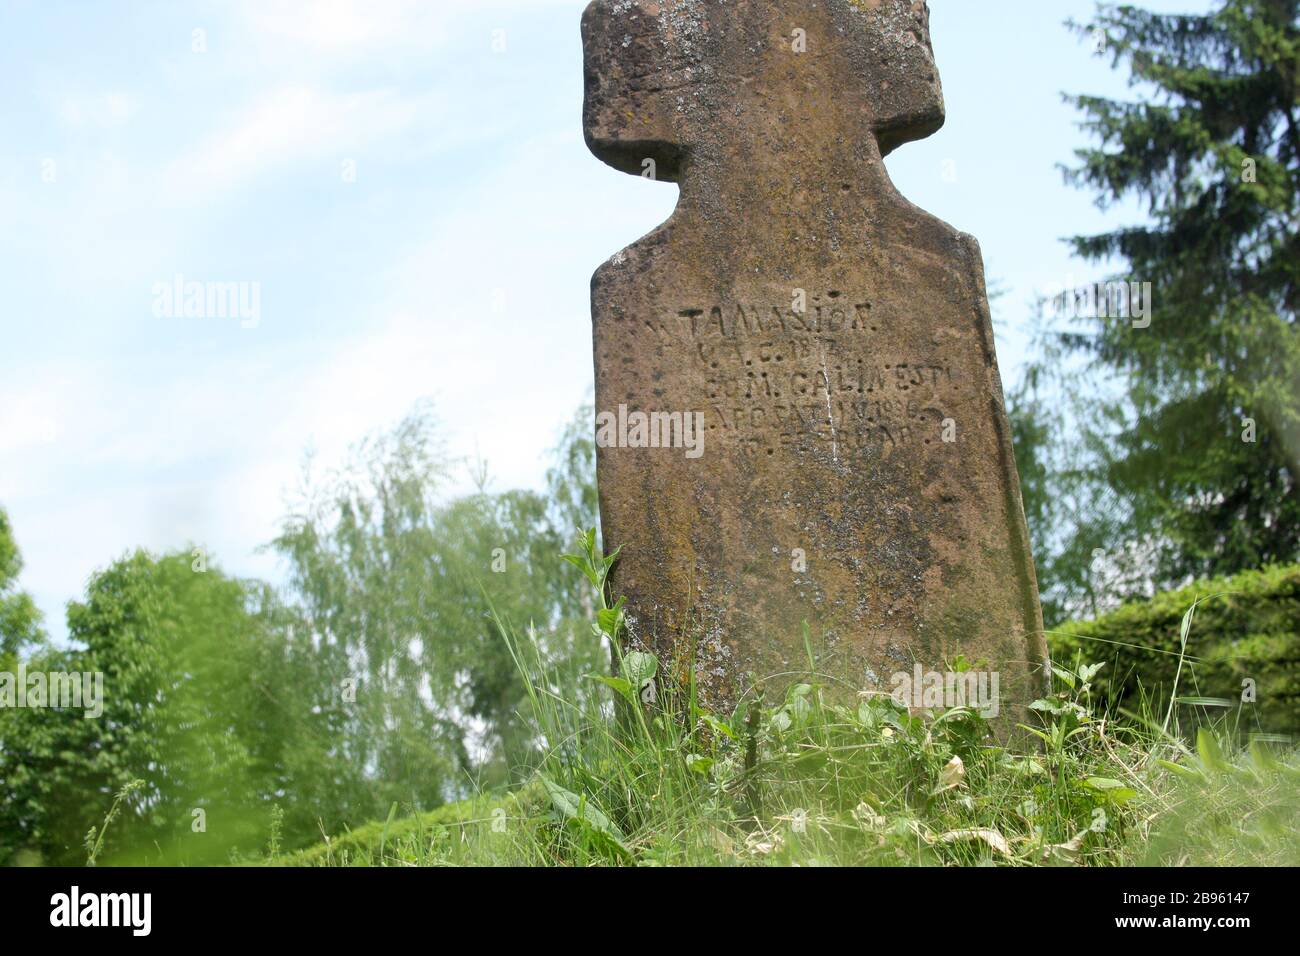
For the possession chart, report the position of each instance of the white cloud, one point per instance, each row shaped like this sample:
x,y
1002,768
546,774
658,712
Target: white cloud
x,y
293,123
39,408
196,439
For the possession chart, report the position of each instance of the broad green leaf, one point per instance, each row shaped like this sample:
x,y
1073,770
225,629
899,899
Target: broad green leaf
x,y
581,564
1088,671
699,763
621,686
639,667
718,726
584,812
610,620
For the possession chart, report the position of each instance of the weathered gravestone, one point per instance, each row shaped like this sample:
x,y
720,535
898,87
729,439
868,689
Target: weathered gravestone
x,y
854,468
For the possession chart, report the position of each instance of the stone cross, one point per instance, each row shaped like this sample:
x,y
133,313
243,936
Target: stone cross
x,y
800,417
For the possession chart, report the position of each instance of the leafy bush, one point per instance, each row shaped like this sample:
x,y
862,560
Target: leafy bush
x,y
181,710
467,832
1243,635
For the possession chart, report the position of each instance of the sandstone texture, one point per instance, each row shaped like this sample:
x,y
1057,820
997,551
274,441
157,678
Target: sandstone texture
x,y
856,471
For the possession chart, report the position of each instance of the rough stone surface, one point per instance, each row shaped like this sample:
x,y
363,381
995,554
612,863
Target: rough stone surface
x,y
824,427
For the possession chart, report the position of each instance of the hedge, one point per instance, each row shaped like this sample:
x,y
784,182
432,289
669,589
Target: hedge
x,y
366,845
1246,627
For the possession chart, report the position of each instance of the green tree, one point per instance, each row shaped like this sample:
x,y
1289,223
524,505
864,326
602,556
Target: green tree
x,y
20,621
20,631
1184,434
398,584
183,655
571,480
383,680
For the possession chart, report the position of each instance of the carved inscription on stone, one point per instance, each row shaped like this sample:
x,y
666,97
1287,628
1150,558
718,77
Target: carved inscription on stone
x,y
856,476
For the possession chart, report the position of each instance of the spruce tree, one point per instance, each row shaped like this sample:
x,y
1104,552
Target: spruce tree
x,y
1193,452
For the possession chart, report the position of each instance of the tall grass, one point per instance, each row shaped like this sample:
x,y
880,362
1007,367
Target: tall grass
x,y
644,775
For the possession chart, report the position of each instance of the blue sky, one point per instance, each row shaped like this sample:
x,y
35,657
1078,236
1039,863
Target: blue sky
x,y
454,264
